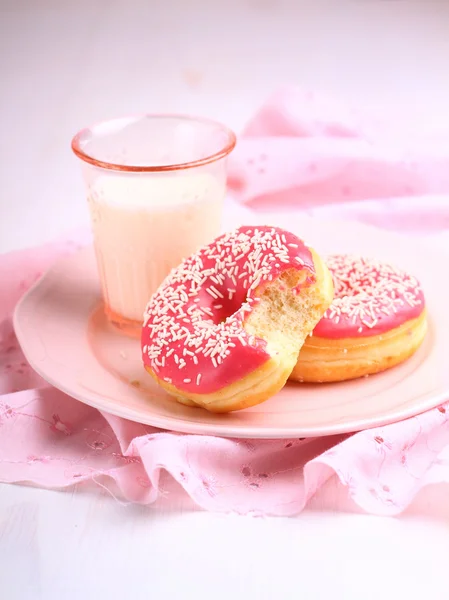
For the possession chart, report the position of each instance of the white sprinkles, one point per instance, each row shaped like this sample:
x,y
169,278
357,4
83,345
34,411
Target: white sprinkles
x,y
366,289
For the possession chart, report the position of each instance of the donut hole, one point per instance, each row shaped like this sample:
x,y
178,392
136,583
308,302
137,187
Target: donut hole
x,y
227,310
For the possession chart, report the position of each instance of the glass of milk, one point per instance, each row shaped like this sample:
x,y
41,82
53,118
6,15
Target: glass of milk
x,y
155,189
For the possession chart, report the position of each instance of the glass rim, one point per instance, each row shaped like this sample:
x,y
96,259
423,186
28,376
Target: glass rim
x,y
227,148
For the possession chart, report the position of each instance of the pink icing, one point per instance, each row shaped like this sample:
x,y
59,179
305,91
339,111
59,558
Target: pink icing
x,y
193,334
370,298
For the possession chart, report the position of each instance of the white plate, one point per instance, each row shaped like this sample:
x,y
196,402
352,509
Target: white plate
x,y
61,328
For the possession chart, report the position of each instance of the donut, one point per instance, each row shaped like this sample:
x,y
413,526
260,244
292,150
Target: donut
x,y
224,329
376,321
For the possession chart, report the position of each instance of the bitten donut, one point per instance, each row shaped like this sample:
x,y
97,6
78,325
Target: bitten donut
x,y
376,321
225,328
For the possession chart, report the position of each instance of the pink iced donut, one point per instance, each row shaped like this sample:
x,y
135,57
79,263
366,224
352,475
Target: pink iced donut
x,y
376,321
225,328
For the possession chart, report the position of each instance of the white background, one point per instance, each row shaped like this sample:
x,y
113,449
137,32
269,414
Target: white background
x,y
64,65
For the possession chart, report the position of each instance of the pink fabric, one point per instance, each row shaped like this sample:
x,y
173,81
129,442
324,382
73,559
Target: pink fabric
x,y
297,153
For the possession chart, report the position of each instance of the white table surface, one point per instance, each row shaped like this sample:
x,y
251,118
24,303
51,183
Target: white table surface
x,y
66,64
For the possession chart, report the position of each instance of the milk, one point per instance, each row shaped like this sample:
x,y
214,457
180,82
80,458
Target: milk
x,y
143,226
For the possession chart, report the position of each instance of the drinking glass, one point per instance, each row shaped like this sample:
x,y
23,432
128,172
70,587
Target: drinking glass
x,y
155,188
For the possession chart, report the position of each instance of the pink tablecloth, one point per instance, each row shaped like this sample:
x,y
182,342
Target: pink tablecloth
x,y
297,153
